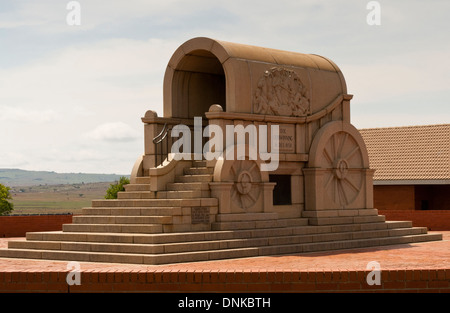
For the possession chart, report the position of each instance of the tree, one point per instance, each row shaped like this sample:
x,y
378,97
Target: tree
x,y
5,206
113,189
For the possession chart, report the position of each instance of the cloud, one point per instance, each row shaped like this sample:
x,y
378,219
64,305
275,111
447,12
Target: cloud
x,y
73,81
17,114
117,131
80,88
400,75
13,159
364,120
97,76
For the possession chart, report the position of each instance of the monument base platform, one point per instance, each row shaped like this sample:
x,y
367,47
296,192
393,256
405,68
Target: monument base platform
x,y
416,267
167,248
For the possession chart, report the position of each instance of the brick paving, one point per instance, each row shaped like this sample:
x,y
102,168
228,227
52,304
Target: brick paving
x,y
416,256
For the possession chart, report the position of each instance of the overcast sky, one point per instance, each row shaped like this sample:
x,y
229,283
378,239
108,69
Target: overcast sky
x,y
71,97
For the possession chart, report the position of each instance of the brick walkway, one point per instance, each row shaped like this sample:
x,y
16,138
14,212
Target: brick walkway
x,y
426,264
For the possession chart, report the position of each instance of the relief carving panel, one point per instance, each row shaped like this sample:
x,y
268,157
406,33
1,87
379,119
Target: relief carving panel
x,y
281,92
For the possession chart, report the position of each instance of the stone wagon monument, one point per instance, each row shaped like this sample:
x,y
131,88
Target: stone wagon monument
x,y
313,193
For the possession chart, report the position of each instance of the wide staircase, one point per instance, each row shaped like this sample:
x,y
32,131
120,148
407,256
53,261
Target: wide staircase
x,y
182,224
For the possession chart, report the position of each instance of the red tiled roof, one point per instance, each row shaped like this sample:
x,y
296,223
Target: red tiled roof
x,y
409,153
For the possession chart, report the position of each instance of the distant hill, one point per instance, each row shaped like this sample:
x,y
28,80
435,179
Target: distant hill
x,y
17,177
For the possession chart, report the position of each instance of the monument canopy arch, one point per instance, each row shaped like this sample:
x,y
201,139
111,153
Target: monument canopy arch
x,y
248,79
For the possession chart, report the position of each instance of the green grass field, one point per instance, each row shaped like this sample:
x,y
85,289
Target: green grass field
x,y
47,199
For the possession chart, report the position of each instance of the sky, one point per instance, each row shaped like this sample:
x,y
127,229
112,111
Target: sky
x,y
72,96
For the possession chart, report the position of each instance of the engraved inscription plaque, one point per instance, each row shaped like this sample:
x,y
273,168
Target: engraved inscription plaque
x,y
199,215
287,139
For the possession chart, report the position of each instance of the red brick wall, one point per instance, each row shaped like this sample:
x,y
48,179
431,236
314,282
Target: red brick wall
x,y
394,197
436,196
433,219
17,226
228,281
410,197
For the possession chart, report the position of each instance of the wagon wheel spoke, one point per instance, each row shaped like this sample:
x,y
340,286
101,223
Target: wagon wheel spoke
x,y
349,182
330,178
341,146
327,156
351,153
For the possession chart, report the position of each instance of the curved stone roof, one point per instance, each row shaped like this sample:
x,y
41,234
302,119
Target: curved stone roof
x,y
198,64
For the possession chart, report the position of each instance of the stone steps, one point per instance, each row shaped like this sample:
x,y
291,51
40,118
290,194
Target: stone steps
x,y
114,228
198,171
346,220
133,211
191,246
154,202
188,186
275,223
143,180
121,195
199,255
199,163
193,178
137,187
170,194
210,235
138,204
112,219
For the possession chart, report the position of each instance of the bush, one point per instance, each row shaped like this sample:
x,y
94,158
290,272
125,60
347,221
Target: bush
x,y
113,189
5,206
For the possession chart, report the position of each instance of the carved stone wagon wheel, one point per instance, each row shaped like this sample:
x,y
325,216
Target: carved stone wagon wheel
x,y
339,151
246,177
342,157
241,180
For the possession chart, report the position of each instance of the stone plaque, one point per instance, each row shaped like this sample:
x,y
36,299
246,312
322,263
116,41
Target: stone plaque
x,y
199,215
287,139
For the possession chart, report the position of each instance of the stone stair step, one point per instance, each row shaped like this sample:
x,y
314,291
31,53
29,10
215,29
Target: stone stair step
x,y
237,217
193,178
155,202
136,195
133,211
143,180
198,163
198,170
386,224
88,246
197,256
340,213
83,237
346,244
82,256
112,219
270,223
188,186
114,228
137,187
187,194
346,220
171,194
